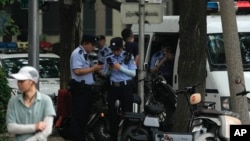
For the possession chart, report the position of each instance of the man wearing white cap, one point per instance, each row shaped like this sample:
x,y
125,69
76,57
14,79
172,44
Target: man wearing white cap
x,y
29,115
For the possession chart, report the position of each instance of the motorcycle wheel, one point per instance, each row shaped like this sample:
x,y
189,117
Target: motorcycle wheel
x,y
134,131
64,129
100,132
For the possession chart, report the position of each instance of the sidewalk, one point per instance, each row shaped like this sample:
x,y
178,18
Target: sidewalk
x,y
53,137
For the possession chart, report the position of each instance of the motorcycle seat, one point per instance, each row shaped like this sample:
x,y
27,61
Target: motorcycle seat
x,y
132,115
208,112
213,112
154,109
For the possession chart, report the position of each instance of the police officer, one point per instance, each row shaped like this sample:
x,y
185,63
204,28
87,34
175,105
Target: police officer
x,y
162,62
104,50
122,68
81,86
131,47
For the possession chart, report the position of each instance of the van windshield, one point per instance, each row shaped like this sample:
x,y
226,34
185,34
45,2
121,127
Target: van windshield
x,y
49,67
216,52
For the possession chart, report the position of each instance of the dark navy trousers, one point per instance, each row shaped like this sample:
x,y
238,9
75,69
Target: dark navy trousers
x,y
82,100
125,95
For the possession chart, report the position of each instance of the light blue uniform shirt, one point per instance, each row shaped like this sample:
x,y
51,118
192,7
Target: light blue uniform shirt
x,y
103,53
18,113
79,59
156,58
117,75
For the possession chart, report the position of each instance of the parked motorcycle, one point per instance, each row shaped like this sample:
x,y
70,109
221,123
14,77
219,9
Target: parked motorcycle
x,y
97,126
205,124
164,94
210,124
144,126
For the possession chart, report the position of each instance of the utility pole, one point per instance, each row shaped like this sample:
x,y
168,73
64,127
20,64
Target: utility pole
x,y
33,34
233,59
141,69
151,13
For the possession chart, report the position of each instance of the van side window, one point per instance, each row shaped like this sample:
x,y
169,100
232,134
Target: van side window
x,y
245,49
216,50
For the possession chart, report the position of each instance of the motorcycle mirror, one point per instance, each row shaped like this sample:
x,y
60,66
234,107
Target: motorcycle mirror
x,y
195,98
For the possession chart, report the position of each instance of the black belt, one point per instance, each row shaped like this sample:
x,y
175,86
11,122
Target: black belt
x,y
75,83
121,83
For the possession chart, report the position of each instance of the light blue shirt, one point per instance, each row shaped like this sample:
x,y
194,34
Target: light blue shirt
x,y
156,58
18,113
118,75
79,59
103,53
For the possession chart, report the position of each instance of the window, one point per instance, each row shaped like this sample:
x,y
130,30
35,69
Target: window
x,y
49,67
216,51
89,25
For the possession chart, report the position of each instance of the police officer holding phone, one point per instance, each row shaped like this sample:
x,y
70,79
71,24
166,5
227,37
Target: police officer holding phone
x,y
82,86
104,50
121,68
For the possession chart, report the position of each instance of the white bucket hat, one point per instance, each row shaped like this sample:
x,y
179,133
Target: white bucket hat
x,y
27,73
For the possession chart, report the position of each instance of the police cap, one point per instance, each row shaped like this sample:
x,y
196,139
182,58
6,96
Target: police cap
x,y
116,43
99,37
88,39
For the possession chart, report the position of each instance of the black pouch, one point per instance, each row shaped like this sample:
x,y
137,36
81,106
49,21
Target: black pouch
x,y
71,85
97,88
74,86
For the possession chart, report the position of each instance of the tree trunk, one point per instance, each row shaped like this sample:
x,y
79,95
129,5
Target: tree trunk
x,y
192,59
70,35
233,59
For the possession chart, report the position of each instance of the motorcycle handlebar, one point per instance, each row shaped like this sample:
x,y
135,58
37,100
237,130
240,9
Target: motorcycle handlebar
x,y
243,93
188,89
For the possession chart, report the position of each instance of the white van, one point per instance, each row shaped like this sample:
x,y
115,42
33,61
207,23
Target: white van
x,y
48,68
217,87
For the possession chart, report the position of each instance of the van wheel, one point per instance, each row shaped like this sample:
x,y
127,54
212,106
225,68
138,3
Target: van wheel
x,y
135,133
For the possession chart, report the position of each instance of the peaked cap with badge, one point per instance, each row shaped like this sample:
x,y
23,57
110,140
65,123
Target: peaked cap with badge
x,y
116,43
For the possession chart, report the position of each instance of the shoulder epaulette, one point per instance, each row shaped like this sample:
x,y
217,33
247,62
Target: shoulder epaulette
x,y
110,54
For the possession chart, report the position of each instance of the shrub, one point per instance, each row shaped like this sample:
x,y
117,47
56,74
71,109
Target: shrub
x,y
5,94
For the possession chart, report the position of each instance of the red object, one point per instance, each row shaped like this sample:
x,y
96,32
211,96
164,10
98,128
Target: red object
x,y
243,4
44,44
64,103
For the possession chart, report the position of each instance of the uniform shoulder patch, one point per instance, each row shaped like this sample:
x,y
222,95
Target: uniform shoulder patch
x,y
80,51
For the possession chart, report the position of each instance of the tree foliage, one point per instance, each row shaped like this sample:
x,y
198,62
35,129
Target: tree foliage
x,y
7,24
5,93
5,2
